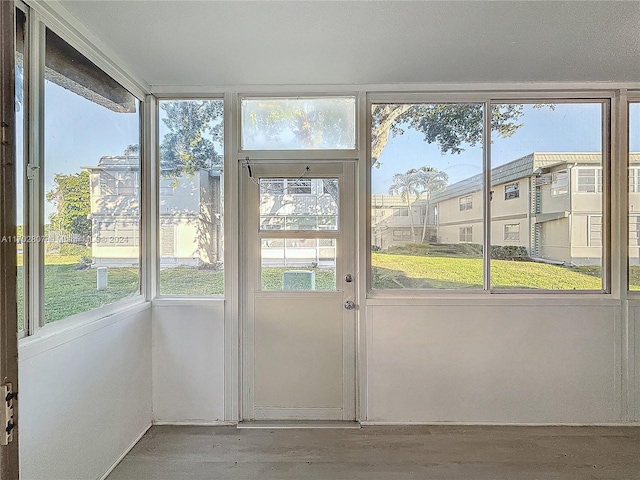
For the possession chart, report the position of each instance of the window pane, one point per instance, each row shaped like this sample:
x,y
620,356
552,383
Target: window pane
x,y
427,163
191,197
634,196
548,235
92,131
298,123
298,264
20,107
299,204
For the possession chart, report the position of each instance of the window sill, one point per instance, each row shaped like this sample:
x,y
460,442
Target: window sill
x,y
66,330
480,298
185,301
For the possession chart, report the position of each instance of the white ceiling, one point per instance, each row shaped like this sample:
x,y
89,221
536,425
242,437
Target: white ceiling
x,y
186,43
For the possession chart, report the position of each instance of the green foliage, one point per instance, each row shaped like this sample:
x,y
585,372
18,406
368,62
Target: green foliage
x,y
69,249
72,198
450,126
194,128
509,252
312,127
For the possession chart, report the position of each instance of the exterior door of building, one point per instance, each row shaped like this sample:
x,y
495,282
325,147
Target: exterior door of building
x,y
298,329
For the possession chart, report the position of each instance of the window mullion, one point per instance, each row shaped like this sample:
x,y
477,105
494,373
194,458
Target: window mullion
x,y
487,193
34,221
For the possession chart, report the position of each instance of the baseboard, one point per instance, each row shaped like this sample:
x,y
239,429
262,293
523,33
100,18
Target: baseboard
x,y
196,423
366,423
129,448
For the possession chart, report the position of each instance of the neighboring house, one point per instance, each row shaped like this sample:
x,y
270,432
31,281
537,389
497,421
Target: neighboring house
x,y
190,220
391,221
548,203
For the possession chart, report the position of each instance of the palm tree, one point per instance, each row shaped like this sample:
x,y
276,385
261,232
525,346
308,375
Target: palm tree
x,y
405,185
431,181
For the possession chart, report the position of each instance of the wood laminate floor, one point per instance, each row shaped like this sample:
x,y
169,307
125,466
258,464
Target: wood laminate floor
x,y
416,452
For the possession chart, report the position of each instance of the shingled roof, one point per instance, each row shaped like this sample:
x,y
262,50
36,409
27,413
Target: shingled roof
x,y
522,167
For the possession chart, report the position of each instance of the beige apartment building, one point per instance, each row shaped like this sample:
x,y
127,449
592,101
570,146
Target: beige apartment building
x,y
548,203
190,229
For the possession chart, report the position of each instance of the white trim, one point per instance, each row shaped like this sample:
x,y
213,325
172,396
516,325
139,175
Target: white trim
x,y
70,29
126,452
551,88
562,299
195,423
502,424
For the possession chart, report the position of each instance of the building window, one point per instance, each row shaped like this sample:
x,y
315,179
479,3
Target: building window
x,y
589,180
119,183
595,230
191,197
466,202
512,232
634,180
634,231
401,236
465,234
559,183
401,212
511,190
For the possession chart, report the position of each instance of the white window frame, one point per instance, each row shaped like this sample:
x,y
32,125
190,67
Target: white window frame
x,y
560,187
38,21
515,233
604,98
597,177
514,193
465,203
465,234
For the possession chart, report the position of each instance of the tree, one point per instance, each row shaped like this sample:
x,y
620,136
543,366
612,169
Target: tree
x,y
72,199
405,185
431,181
449,125
194,128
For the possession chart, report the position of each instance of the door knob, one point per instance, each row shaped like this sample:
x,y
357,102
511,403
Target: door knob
x,y
349,305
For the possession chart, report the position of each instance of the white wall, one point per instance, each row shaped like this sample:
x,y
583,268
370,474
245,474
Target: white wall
x,y
523,363
188,362
85,396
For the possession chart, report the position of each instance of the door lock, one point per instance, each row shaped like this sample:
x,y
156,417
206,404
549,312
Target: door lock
x,y
348,278
349,305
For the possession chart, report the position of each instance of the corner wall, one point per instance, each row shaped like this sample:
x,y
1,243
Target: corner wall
x,y
85,396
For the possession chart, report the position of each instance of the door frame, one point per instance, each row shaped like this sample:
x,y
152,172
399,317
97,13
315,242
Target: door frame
x,y
9,465
348,236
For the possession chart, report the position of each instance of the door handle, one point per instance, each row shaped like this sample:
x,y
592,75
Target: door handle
x,y
349,305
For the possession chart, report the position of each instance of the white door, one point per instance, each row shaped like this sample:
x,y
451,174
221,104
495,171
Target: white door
x,y
298,329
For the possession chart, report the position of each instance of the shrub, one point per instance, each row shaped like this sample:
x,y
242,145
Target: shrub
x,y
74,250
509,252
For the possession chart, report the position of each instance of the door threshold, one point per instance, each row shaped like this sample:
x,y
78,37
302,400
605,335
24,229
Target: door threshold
x,y
293,424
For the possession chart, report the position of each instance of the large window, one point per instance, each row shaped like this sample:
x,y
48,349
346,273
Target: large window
x,y
191,197
548,218
634,196
91,176
427,162
325,123
77,191
551,147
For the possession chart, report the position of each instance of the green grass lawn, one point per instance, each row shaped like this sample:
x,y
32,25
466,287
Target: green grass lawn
x,y
407,271
70,290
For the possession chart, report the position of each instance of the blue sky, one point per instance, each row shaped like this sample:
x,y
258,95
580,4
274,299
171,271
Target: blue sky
x,y
568,128
78,132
